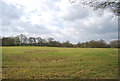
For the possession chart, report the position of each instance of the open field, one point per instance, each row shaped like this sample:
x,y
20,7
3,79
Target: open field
x,y
59,63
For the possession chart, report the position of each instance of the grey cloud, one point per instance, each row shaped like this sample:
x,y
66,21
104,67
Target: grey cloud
x,y
9,13
26,28
100,26
104,28
34,29
74,29
76,12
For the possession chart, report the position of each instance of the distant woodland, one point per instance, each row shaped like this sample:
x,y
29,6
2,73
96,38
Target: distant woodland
x,y
22,40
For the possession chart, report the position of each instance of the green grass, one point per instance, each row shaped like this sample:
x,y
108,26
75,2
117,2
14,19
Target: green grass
x,y
59,63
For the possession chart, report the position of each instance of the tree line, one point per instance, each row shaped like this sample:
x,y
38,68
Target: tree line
x,y
22,40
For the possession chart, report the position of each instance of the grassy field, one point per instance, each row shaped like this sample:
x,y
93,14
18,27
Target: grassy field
x,y
59,63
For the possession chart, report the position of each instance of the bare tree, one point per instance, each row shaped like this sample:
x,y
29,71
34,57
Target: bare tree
x,y
39,41
50,39
114,44
23,39
113,5
32,40
16,41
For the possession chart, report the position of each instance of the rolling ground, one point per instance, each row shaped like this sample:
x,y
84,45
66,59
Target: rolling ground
x,y
59,63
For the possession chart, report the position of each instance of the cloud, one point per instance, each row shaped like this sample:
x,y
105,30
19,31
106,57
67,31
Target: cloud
x,y
73,12
58,19
10,13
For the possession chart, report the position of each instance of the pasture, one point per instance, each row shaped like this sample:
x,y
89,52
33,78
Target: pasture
x,y
59,63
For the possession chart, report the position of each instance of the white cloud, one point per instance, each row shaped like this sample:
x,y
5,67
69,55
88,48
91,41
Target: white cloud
x,y
59,19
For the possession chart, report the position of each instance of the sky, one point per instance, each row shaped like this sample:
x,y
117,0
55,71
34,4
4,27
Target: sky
x,y
59,19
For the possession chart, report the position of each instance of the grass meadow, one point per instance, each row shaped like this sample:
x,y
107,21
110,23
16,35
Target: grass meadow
x,y
59,63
